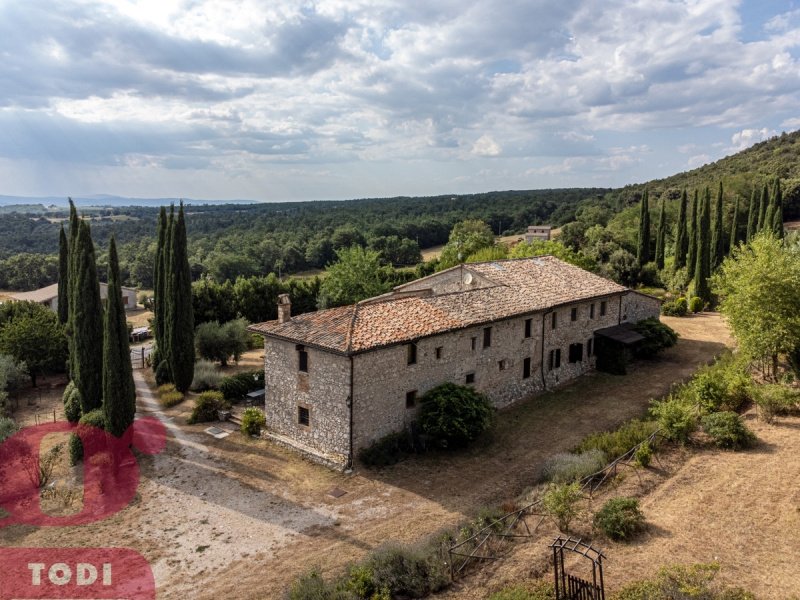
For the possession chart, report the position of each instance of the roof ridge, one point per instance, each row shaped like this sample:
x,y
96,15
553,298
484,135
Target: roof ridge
x,y
349,340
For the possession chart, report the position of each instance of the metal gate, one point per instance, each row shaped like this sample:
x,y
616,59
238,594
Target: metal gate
x,y
570,587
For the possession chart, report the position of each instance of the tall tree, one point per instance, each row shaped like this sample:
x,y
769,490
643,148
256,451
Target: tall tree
x,y
777,214
681,238
643,249
691,257
762,208
718,233
158,282
735,227
119,392
167,293
72,279
180,316
661,233
63,277
702,269
87,323
752,216
355,276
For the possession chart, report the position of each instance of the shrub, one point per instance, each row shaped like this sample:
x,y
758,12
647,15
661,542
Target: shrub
x,y
566,467
774,399
540,590
678,581
616,443
163,374
695,304
8,427
253,420
643,455
94,418
206,407
236,387
168,396
560,501
405,572
723,386
387,450
657,337
72,403
454,415
675,308
206,376
311,586
217,342
620,518
728,430
676,417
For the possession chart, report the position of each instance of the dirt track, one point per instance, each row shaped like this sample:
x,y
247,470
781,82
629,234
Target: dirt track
x,y
241,517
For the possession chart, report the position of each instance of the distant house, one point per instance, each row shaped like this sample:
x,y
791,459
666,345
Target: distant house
x,y
48,296
339,379
538,232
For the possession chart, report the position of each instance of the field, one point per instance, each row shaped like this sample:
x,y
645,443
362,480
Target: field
x,y
242,517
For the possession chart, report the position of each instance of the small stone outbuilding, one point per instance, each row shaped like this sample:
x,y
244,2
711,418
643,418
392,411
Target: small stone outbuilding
x,y
336,380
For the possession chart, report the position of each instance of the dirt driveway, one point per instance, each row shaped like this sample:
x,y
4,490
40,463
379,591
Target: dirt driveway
x,y
241,517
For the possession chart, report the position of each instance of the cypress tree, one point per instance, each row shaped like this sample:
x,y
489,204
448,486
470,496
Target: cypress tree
x,y
643,250
762,209
681,239
87,323
718,233
703,267
72,251
180,315
691,257
777,215
119,392
661,232
734,227
63,277
167,293
752,217
159,281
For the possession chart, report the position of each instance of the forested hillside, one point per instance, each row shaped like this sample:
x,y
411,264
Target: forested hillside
x,y
231,240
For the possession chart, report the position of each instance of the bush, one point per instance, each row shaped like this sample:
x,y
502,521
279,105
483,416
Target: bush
x,y
72,403
405,572
567,467
163,374
620,518
253,420
454,415
206,407
685,582
643,455
774,399
728,430
695,304
387,450
94,418
236,387
311,586
657,337
675,308
540,590
723,386
616,443
8,427
168,396
676,417
560,501
206,376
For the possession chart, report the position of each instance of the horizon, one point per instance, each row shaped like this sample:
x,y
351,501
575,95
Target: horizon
x,y
331,102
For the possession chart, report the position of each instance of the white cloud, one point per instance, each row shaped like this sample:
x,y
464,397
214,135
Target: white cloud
x,y
486,146
747,137
698,160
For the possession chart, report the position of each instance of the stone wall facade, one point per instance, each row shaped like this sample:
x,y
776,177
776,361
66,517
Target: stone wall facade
x,y
323,390
637,307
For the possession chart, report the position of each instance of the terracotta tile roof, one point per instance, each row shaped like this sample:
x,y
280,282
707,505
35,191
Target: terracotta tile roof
x,y
518,287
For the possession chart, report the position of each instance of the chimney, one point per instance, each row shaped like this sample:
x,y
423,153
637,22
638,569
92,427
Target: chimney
x,y
284,308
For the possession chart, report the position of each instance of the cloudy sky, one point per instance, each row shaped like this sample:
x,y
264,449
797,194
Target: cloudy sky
x,y
285,100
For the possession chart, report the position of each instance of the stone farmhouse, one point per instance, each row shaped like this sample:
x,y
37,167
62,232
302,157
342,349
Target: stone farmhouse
x,y
538,232
48,296
338,379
